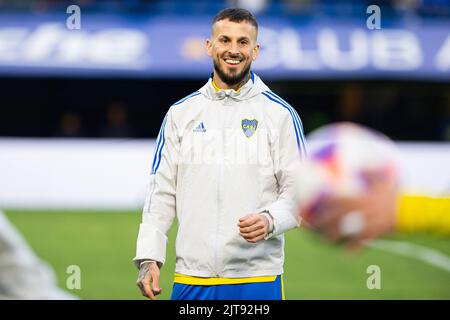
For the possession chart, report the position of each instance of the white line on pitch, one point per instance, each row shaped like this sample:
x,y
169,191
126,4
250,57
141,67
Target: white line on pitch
x,y
424,254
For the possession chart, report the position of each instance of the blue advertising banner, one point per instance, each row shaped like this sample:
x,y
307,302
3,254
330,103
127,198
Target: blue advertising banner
x,y
174,46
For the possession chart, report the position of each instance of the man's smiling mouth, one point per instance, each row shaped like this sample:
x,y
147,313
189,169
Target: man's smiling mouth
x,y
232,61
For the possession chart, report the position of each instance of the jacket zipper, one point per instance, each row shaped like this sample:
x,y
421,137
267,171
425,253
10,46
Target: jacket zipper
x,y
219,189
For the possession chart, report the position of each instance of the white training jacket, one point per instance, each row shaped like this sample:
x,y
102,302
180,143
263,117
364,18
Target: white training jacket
x,y
221,155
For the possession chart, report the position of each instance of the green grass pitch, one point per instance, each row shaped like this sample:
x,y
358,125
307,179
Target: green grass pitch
x,y
103,245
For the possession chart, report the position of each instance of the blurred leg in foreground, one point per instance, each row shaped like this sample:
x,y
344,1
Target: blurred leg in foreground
x,y
22,274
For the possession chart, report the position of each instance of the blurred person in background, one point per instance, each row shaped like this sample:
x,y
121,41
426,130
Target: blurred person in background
x,y
70,126
233,134
117,125
350,103
23,276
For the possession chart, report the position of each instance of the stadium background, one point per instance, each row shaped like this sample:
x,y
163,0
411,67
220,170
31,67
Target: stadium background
x,y
80,110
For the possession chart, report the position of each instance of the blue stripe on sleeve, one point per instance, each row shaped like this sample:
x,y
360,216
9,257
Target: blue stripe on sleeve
x,y
196,93
159,155
161,136
284,101
159,145
295,119
158,141
299,121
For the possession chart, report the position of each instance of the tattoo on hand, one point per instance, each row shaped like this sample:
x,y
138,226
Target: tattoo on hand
x,y
144,270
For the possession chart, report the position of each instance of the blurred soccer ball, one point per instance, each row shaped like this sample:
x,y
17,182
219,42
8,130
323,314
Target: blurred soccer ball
x,y
343,160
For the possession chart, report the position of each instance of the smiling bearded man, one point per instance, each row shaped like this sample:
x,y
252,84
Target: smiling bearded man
x,y
233,47
225,165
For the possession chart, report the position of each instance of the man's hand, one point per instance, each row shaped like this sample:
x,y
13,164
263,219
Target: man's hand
x,y
253,227
148,279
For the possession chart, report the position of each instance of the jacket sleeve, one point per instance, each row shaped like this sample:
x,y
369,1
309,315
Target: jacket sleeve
x,y
287,152
159,208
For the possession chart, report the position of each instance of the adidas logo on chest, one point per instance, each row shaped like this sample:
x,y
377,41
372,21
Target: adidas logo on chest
x,y
200,128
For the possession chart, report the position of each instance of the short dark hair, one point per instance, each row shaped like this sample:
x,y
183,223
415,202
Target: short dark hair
x,y
236,15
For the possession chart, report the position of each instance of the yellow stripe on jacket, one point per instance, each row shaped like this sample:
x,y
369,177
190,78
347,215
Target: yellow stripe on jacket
x,y
218,89
201,281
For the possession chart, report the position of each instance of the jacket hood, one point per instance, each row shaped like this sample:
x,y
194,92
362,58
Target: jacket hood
x,y
251,88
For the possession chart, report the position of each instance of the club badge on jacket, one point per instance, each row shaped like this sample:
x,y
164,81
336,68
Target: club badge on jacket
x,y
249,127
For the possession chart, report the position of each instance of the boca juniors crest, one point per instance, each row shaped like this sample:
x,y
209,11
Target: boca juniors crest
x,y
249,127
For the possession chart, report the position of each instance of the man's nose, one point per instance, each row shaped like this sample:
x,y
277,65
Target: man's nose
x,y
234,48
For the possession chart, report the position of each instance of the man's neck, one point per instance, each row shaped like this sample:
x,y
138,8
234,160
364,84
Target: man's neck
x,y
222,85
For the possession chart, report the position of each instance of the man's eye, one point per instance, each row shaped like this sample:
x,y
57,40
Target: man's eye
x,y
224,40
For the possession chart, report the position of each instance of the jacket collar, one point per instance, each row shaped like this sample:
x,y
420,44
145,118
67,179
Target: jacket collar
x,y
251,88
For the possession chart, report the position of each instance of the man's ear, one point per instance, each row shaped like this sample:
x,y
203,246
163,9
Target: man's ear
x,y
255,52
209,47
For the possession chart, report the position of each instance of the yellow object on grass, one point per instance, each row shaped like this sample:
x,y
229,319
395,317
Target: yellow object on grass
x,y
424,213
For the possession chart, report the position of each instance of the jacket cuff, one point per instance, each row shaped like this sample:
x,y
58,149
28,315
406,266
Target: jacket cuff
x,y
269,217
151,245
140,263
284,217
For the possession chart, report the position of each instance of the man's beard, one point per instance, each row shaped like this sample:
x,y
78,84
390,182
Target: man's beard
x,y
231,79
